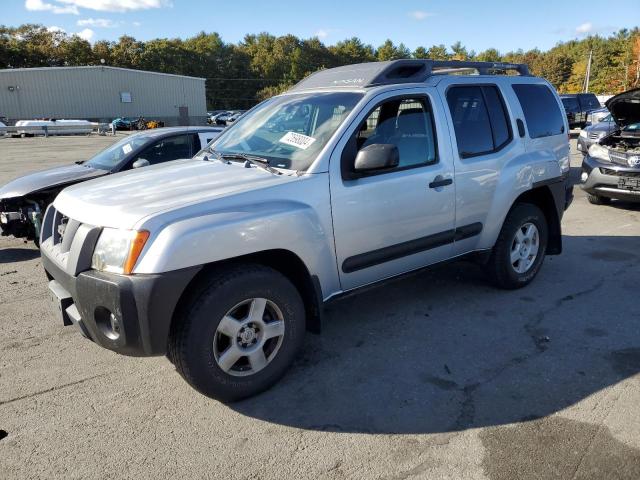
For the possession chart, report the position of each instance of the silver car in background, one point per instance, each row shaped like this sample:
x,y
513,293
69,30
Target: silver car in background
x,y
597,131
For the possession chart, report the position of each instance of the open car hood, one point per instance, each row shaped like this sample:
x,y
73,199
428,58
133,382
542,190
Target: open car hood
x,y
625,107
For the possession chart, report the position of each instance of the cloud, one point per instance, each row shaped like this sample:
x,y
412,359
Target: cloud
x,y
322,33
585,28
136,24
116,5
40,6
97,23
86,34
54,28
420,15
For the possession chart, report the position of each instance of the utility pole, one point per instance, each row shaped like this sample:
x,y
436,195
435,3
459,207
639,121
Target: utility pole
x,y
586,78
626,76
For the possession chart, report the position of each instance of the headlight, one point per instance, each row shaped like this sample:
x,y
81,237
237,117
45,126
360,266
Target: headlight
x,y
598,151
117,251
583,133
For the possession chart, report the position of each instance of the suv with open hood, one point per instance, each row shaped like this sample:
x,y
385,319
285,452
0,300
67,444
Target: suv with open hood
x,y
356,175
611,168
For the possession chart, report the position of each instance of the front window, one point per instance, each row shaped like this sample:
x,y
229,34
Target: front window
x,y
111,157
289,131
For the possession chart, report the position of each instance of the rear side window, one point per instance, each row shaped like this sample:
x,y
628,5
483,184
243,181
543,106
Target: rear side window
x,y
479,118
541,110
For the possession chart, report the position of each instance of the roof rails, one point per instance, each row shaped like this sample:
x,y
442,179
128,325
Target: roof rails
x,y
400,71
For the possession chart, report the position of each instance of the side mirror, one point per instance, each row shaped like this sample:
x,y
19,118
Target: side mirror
x,y
378,156
141,162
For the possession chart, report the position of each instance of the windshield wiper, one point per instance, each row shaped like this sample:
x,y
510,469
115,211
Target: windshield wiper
x,y
215,155
251,159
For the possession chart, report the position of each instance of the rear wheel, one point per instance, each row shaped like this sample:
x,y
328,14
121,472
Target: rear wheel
x,y
520,249
238,333
598,200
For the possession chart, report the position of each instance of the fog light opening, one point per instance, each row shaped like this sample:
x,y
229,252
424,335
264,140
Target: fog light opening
x,y
108,322
584,176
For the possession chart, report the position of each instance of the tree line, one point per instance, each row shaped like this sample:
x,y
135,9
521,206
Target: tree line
x,y
261,65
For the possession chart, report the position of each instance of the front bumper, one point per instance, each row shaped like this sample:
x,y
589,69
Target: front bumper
x,y
602,179
142,305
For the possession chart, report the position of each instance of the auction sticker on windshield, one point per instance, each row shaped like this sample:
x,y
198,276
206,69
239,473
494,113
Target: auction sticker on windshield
x,y
297,140
126,148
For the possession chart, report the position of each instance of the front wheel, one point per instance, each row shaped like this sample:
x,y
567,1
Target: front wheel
x,y
520,249
238,333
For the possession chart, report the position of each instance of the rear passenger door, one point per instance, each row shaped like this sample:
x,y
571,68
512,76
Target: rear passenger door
x,y
481,129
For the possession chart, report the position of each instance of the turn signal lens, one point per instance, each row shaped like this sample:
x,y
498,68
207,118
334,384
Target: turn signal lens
x,y
135,248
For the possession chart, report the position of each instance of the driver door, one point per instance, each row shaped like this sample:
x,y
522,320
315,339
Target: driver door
x,y
397,220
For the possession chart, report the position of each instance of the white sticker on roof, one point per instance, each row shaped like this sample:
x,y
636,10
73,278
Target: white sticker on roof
x,y
297,140
126,148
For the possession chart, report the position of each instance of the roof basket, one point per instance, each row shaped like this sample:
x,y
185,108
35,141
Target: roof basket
x,y
401,71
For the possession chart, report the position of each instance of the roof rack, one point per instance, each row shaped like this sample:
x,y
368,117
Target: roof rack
x,y
401,71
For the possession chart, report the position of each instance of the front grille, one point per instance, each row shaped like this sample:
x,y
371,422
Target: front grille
x,y
67,241
618,157
617,173
594,135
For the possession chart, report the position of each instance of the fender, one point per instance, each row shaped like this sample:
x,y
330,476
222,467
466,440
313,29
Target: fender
x,y
243,229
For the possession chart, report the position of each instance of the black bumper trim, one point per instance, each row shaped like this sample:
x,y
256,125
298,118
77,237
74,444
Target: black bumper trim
x,y
144,304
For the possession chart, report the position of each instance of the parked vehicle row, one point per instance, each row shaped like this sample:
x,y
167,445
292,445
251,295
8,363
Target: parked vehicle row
x,y
24,200
224,117
356,175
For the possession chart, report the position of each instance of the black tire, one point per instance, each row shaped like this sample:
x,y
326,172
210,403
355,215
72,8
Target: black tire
x,y
191,343
598,200
499,267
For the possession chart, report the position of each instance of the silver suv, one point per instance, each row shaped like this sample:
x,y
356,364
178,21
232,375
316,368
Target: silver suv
x,y
356,175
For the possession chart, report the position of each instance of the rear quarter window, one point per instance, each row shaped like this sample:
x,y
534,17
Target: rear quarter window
x,y
541,110
479,118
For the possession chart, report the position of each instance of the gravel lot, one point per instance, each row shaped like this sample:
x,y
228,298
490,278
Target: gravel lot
x,y
434,376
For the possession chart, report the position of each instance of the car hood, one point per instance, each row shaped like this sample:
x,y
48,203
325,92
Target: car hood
x,y
625,107
125,199
52,177
602,127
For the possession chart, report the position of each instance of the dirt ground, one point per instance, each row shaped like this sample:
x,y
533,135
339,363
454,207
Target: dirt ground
x,y
434,376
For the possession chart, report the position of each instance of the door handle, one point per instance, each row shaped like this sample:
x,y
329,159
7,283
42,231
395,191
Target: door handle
x,y
440,182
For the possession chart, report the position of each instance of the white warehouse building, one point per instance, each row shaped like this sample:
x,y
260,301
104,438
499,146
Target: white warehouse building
x,y
101,93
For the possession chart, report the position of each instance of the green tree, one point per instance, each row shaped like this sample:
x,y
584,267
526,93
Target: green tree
x,y
127,52
489,55
388,51
352,51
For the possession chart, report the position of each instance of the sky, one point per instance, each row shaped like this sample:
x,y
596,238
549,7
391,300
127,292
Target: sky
x,y
505,25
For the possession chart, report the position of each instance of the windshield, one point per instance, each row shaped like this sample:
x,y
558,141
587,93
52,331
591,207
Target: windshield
x,y
289,131
109,158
